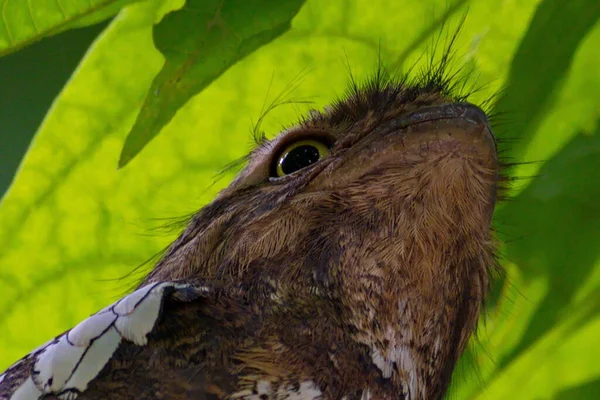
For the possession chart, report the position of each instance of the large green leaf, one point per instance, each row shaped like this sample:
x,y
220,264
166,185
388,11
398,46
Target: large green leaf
x,y
23,22
200,42
72,225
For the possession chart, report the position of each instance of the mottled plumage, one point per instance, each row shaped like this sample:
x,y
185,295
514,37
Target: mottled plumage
x,y
360,276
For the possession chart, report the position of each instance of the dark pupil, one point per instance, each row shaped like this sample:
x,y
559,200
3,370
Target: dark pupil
x,y
298,158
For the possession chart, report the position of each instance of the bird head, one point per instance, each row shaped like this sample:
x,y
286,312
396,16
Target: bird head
x,y
374,214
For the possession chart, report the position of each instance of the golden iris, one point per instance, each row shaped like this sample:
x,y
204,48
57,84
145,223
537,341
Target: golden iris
x,y
299,155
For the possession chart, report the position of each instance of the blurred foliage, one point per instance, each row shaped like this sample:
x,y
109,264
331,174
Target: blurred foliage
x,y
73,227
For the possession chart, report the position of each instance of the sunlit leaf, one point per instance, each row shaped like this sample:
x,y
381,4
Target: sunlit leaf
x,y
551,232
553,226
550,250
24,22
585,391
200,42
540,64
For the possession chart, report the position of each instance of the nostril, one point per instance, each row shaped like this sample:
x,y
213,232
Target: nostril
x,y
470,112
461,111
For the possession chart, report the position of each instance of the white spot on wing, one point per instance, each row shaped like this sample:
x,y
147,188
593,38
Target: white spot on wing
x,y
136,325
37,349
67,364
96,357
264,389
27,391
384,365
397,353
366,395
261,388
128,303
242,394
407,363
308,391
90,328
55,365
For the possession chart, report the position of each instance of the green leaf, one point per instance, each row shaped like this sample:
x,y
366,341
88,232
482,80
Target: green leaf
x,y
23,22
564,357
551,233
104,13
200,42
540,64
67,179
550,251
585,391
568,239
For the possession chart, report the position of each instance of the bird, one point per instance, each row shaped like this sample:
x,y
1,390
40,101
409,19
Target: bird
x,y
349,259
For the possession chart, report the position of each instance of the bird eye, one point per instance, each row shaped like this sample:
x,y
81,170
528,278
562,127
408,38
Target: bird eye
x,y
299,155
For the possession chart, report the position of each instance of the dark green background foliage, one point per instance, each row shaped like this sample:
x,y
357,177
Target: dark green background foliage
x,y
171,97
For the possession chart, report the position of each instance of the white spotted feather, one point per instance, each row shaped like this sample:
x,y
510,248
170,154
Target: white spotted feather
x,y
266,390
66,365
